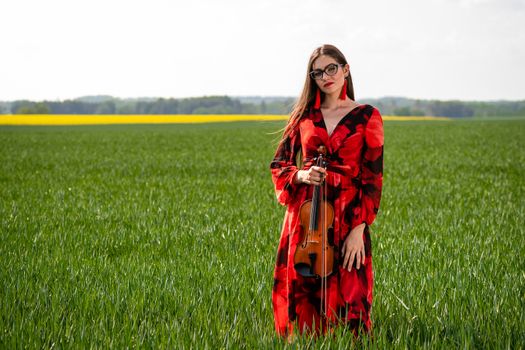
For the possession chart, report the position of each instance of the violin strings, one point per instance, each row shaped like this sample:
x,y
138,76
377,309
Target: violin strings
x,y
325,188
323,295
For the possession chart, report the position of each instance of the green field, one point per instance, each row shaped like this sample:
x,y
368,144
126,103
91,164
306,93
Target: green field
x,y
165,236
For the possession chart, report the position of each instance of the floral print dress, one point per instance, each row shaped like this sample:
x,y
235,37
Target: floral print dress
x,y
353,186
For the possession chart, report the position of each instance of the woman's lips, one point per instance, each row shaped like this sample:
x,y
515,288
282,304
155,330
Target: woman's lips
x,y
328,84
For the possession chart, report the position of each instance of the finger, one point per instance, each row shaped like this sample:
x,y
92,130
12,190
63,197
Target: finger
x,y
321,172
351,262
363,255
345,262
358,260
316,181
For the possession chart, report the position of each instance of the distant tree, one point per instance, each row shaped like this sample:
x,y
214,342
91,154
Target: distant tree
x,y
16,105
5,108
25,110
165,106
143,107
402,111
417,112
33,108
408,111
279,107
251,108
451,109
73,107
106,107
263,107
125,108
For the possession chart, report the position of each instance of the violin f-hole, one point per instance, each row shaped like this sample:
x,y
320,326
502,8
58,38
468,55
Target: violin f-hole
x,y
312,257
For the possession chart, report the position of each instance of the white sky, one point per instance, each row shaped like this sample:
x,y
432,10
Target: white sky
x,y
442,49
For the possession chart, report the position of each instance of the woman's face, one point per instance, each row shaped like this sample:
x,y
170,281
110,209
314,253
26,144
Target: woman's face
x,y
330,84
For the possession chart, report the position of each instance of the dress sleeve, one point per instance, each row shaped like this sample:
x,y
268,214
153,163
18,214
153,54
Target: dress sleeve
x,y
284,168
371,170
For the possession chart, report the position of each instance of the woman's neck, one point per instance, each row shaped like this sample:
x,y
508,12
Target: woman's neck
x,y
332,101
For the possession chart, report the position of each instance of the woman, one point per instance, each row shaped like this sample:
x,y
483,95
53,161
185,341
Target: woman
x,y
326,114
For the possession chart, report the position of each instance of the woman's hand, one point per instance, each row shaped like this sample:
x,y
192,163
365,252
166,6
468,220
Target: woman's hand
x,y
354,248
312,176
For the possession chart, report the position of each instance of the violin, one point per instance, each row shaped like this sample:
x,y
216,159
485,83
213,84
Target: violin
x,y
314,256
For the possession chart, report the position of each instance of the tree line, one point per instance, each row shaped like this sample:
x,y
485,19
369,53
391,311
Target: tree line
x,y
199,105
255,105
448,108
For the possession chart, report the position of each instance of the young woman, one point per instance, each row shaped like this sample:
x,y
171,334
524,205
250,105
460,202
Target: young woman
x,y
326,114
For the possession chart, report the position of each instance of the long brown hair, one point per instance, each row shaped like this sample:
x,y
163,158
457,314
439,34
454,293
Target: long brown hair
x,y
307,97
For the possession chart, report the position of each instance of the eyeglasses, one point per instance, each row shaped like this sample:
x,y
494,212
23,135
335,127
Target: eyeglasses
x,y
330,70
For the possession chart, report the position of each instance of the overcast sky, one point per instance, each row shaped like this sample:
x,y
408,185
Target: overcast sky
x,y
432,49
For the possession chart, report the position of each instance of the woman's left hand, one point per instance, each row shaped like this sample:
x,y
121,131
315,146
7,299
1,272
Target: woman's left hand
x,y
354,248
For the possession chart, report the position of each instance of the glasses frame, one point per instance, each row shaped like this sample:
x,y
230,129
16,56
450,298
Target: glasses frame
x,y
323,71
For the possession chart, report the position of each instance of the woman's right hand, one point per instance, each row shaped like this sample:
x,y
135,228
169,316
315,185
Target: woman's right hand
x,y
312,176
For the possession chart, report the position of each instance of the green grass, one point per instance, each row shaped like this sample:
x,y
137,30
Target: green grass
x,y
165,236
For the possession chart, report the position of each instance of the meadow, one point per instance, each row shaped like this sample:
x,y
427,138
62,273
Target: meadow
x,y
165,236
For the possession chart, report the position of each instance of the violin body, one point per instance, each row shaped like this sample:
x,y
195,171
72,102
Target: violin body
x,y
314,256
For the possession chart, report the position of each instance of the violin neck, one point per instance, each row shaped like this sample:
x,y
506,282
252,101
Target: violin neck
x,y
314,211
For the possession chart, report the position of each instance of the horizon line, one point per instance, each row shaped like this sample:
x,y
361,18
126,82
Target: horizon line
x,y
249,96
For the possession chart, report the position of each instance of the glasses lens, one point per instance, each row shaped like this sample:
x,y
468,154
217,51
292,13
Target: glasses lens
x,y
316,74
331,69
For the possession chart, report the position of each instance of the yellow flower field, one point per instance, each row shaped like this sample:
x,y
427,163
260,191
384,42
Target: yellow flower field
x,y
75,119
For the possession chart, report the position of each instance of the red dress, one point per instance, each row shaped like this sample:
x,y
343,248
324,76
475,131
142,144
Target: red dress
x,y
354,183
